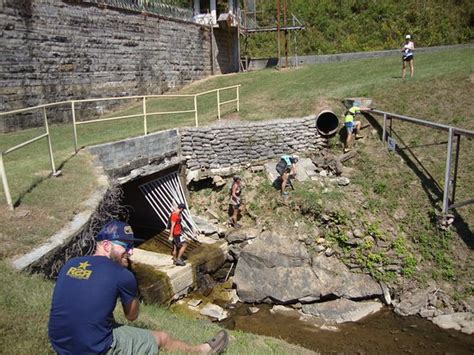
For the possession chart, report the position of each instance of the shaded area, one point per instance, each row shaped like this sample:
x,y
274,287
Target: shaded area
x,y
433,189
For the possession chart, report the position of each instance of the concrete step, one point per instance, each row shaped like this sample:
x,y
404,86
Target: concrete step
x,y
160,281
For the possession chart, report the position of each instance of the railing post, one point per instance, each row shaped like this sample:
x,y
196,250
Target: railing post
x,y
238,98
447,173
145,128
50,146
384,132
73,110
196,110
218,104
5,183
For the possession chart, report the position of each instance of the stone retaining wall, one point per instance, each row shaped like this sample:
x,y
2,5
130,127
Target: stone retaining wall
x,y
215,149
60,50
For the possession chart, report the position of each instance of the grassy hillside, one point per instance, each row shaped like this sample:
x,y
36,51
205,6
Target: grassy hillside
x,y
388,185
352,26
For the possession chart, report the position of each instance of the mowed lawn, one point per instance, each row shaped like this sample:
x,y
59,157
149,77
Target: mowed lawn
x,y
441,91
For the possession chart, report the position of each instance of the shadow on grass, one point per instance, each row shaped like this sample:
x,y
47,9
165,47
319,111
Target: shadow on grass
x,y
39,181
433,189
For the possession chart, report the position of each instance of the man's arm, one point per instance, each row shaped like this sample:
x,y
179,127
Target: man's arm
x,y
131,310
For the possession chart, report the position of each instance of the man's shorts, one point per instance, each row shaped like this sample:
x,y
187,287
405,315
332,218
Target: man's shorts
x,y
131,340
350,126
178,241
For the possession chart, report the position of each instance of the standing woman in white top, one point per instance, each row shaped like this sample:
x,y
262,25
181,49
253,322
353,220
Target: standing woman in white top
x,y
407,56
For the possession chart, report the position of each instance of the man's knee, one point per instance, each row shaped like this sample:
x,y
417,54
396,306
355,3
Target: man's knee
x,y
162,339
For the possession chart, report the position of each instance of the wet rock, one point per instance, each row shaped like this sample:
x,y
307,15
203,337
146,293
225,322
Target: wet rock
x,y
387,299
463,321
214,311
281,309
342,310
253,310
194,302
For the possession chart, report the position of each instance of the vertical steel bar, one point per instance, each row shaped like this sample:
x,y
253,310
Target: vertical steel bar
x,y
278,33
6,189
74,127
447,173
196,111
456,161
145,128
238,98
218,104
384,132
48,137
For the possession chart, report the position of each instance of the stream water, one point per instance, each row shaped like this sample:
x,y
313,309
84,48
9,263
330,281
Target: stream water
x,y
384,332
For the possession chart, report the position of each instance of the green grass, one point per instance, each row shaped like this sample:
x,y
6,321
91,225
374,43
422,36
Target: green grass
x,y
441,91
26,301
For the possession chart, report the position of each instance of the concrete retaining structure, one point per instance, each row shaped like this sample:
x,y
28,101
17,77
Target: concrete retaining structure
x,y
262,63
139,156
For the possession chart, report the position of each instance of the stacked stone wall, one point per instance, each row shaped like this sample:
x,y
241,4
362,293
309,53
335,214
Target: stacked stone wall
x,y
56,50
211,150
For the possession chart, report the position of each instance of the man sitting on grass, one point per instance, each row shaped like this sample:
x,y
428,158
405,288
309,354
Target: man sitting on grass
x,y
81,319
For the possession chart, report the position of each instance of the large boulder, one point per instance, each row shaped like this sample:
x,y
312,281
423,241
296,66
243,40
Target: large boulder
x,y
277,269
339,281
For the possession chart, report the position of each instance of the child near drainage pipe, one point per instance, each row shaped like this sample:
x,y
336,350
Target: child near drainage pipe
x,y
353,126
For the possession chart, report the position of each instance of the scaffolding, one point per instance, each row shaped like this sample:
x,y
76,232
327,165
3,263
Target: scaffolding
x,y
256,20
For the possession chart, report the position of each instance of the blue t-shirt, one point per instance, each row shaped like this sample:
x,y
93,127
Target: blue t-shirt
x,y
83,302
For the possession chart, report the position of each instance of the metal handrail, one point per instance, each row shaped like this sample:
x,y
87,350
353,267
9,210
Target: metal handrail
x,y
75,123
449,184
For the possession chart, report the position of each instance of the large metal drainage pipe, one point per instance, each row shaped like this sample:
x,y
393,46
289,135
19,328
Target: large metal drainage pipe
x,y
327,123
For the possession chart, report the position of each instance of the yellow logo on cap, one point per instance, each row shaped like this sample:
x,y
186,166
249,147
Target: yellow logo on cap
x,y
128,230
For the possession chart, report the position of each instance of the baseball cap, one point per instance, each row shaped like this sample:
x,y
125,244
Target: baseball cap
x,y
182,206
117,230
408,37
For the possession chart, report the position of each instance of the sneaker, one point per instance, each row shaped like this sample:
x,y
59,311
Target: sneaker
x,y
179,262
219,342
237,226
284,194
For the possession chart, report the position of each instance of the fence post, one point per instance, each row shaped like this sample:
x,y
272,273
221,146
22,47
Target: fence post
x,y
218,104
50,146
196,110
73,110
144,116
447,173
384,133
238,98
5,183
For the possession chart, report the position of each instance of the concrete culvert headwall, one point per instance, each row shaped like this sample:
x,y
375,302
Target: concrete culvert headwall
x,y
327,123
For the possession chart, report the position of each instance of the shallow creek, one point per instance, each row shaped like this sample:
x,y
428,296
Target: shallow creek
x,y
384,332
